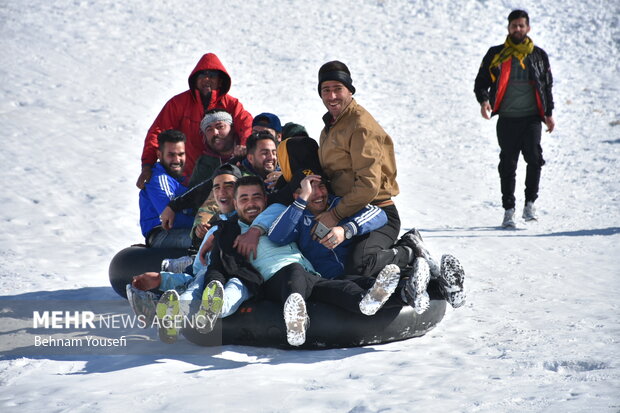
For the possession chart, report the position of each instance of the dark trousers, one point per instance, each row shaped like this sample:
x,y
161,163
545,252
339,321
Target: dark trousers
x,y
515,136
369,253
395,300
295,279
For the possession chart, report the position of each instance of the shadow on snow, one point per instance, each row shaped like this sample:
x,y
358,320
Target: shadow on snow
x,y
504,232
17,335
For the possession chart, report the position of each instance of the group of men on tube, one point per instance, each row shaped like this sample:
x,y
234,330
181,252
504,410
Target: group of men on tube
x,y
267,213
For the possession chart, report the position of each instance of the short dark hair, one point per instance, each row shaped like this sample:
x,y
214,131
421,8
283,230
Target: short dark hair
x,y
249,180
518,14
255,137
170,135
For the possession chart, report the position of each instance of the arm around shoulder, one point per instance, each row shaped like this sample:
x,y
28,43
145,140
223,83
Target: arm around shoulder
x,y
283,227
265,219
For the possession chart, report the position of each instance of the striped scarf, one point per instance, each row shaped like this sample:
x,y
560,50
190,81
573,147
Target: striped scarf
x,y
520,51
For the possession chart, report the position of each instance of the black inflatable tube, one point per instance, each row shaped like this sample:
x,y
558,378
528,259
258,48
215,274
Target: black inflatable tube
x,y
261,324
135,260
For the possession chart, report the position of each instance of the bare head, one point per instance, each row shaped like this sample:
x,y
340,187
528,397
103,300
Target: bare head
x,y
171,151
518,25
250,198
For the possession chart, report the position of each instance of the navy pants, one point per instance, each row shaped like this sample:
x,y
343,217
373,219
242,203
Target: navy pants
x,y
516,136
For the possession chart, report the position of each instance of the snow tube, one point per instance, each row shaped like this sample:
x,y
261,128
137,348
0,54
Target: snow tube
x,y
261,324
135,260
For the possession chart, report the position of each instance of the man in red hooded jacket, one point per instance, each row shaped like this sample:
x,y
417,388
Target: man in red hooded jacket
x,y
209,84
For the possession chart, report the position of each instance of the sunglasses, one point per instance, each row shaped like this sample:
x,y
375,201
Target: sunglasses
x,y
212,74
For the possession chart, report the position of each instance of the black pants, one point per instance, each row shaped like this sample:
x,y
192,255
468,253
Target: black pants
x,y
369,253
515,136
295,279
395,300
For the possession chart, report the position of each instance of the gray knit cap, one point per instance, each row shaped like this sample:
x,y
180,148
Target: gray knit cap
x,y
212,117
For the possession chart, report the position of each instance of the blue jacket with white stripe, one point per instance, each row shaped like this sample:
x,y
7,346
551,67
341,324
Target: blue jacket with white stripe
x,y
296,223
154,198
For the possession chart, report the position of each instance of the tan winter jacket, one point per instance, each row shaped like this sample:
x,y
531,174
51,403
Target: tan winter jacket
x,y
358,157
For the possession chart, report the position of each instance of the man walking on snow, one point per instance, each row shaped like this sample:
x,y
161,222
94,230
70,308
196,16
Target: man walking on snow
x,y
515,81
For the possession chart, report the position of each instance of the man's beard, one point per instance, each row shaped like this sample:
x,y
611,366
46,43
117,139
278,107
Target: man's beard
x,y
226,147
174,174
264,172
245,219
517,40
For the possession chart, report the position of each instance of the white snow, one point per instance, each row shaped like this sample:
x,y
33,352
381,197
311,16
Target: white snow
x,y
82,80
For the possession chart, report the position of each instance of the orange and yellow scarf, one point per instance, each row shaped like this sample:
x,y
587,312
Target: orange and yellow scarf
x,y
520,51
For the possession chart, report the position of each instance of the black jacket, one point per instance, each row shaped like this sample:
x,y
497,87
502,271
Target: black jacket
x,y
196,195
226,263
539,70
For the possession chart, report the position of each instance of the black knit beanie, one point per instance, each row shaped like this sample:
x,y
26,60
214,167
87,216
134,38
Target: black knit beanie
x,y
338,71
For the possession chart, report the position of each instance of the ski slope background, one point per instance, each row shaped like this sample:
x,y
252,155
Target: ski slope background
x,y
81,81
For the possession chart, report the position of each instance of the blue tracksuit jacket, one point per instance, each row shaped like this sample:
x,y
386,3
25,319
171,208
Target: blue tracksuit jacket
x,y
295,223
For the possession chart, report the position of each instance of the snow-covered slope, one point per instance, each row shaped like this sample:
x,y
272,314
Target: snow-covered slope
x,y
82,81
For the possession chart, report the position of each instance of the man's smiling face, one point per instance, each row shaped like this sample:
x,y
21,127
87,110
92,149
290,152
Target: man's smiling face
x,y
249,202
223,192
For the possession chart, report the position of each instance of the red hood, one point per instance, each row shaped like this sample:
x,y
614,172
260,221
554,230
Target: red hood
x,y
210,61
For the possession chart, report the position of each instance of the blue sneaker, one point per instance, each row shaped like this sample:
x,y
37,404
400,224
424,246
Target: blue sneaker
x,y
176,265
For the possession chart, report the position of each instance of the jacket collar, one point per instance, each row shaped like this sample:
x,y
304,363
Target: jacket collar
x,y
159,167
329,121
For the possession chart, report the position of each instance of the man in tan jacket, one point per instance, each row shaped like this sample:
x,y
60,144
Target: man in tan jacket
x,y
358,157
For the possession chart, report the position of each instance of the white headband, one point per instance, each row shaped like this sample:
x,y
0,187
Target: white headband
x,y
215,117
